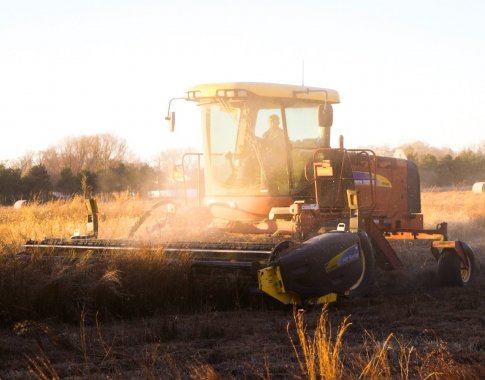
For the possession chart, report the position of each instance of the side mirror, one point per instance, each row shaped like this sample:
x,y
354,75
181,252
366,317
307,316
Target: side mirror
x,y
171,119
325,115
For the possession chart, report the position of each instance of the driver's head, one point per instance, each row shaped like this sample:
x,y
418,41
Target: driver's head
x,y
274,121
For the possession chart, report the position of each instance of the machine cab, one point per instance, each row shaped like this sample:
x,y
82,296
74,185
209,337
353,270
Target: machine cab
x,y
258,141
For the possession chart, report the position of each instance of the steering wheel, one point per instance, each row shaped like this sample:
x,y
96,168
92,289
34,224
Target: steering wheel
x,y
309,173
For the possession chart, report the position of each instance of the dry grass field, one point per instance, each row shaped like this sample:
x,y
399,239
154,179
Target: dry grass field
x,y
135,316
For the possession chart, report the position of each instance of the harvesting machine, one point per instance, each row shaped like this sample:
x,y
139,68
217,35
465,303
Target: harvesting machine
x,y
325,215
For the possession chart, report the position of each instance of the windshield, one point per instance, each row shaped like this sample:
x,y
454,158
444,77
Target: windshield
x,y
258,148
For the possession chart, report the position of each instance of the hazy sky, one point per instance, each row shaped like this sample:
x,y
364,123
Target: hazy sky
x,y
406,70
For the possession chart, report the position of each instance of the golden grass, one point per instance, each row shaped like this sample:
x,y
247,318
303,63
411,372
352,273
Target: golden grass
x,y
464,212
320,354
454,206
38,220
61,218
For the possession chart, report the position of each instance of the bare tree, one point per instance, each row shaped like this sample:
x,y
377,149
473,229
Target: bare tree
x,y
25,163
93,153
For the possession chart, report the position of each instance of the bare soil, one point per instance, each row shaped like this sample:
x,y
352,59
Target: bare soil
x,y
444,328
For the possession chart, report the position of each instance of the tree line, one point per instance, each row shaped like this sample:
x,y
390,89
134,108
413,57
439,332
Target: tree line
x,y
81,165
37,183
442,168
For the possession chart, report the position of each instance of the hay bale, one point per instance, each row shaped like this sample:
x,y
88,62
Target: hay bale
x,y
478,187
18,204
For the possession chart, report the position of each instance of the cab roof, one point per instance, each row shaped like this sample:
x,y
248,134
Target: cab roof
x,y
270,90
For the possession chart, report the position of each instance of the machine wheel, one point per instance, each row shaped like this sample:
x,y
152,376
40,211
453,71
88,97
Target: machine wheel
x,y
366,278
451,270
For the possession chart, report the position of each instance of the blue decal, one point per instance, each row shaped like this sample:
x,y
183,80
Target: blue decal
x,y
364,179
349,256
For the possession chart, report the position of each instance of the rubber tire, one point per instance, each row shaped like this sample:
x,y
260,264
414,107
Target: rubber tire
x,y
363,285
450,270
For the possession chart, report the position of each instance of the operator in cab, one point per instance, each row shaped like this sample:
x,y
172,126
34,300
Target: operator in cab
x,y
274,137
273,144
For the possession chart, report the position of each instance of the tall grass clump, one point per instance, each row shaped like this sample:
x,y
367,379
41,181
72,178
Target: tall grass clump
x,y
324,354
377,362
318,356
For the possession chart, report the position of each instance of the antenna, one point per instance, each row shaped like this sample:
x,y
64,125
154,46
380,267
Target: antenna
x,y
303,73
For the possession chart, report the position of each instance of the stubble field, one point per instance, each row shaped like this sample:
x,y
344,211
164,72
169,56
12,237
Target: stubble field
x,y
134,316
